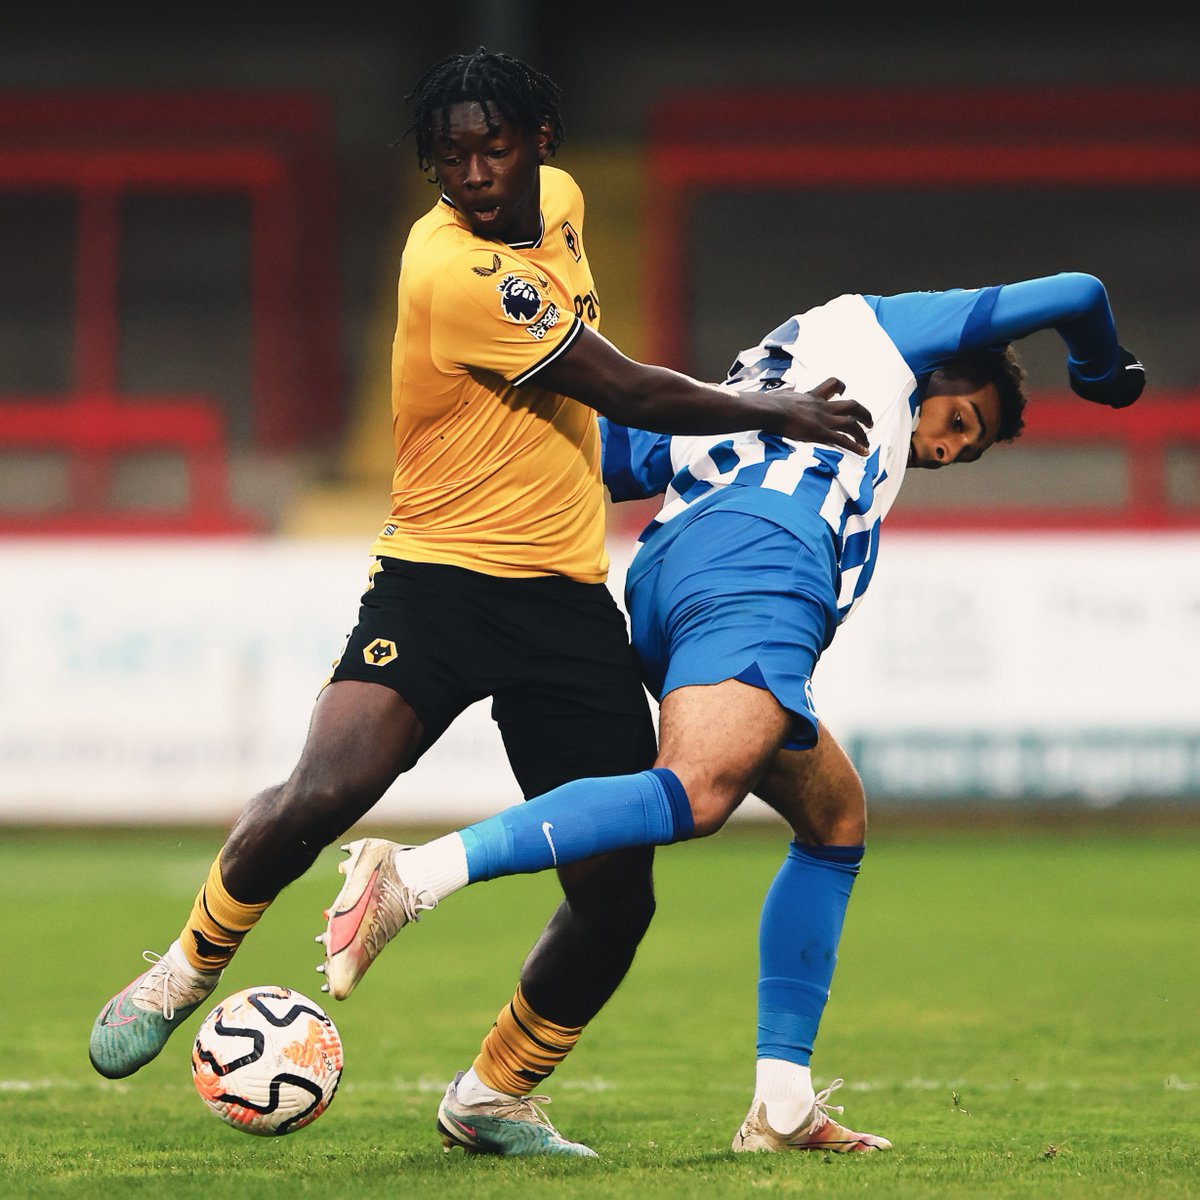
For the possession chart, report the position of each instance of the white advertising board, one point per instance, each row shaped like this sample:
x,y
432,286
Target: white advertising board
x,y
1023,667
169,681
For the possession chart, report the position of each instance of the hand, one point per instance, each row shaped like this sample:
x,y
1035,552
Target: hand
x,y
1121,390
815,416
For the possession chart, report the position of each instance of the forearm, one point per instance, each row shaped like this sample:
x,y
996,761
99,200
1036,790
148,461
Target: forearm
x,y
594,372
655,398
670,402
1076,306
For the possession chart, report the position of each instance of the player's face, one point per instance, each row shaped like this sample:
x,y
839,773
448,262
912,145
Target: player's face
x,y
489,170
955,427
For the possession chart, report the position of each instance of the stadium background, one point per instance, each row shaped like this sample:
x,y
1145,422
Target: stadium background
x,y
200,229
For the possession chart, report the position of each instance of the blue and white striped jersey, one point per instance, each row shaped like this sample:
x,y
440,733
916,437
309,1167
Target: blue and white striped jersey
x,y
882,348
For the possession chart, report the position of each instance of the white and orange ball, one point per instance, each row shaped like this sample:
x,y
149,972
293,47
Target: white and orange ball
x,y
267,1060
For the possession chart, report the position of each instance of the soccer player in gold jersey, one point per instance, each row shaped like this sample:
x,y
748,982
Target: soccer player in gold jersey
x,y
487,580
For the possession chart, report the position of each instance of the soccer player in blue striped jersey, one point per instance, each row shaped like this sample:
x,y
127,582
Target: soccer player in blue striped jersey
x,y
763,546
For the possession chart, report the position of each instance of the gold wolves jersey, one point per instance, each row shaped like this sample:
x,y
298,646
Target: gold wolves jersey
x,y
494,473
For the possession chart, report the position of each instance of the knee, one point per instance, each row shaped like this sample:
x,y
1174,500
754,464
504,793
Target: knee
x,y
821,797
712,795
614,892
321,812
256,820
846,831
632,916
300,810
842,820
711,807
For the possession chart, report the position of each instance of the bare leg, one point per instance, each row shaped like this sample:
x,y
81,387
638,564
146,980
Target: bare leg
x,y
716,739
589,943
719,739
362,736
818,792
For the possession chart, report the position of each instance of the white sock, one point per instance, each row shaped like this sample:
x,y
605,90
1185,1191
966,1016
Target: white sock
x,y
184,971
472,1090
786,1089
438,867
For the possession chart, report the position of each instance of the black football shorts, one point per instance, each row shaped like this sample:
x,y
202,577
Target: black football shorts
x,y
552,653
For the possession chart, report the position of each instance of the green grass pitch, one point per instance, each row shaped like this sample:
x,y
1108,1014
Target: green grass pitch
x,y
1018,1010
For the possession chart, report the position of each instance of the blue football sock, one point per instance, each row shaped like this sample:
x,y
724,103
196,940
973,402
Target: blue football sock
x,y
578,820
798,937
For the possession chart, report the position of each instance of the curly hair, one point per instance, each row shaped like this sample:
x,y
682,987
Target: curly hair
x,y
502,85
998,366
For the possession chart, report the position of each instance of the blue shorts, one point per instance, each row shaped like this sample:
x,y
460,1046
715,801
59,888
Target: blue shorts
x,y
730,595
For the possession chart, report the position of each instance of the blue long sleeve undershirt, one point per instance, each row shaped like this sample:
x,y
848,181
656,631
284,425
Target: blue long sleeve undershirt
x,y
1075,306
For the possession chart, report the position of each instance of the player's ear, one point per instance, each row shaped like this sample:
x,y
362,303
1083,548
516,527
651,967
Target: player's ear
x,y
946,381
544,139
935,382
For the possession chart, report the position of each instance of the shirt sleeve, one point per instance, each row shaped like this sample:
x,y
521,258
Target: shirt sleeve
x,y
505,321
930,327
635,464
927,327
1075,306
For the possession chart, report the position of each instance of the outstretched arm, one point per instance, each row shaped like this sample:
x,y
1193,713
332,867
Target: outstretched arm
x,y
594,372
1076,306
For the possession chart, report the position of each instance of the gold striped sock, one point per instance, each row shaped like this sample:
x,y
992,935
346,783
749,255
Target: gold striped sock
x,y
217,923
522,1048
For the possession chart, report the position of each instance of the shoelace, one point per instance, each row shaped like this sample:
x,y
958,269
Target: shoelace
x,y
519,1106
401,901
156,961
822,1108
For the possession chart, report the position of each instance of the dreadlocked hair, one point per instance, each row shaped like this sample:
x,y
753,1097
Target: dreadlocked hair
x,y
502,85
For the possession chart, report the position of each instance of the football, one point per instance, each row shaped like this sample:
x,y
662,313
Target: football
x,y
267,1060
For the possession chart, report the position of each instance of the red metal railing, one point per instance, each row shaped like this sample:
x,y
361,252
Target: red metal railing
x,y
716,141
93,430
1144,435
274,149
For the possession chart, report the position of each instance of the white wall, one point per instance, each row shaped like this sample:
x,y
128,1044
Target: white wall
x,y
144,681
